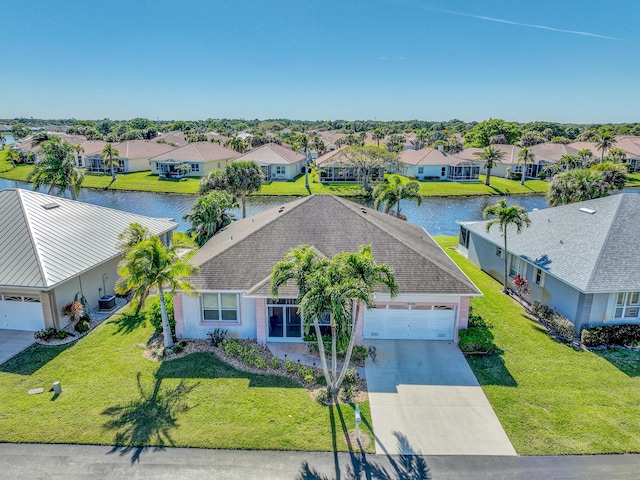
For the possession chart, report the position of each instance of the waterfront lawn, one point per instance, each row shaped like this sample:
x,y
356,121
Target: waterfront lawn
x,y
499,186
112,395
141,181
552,399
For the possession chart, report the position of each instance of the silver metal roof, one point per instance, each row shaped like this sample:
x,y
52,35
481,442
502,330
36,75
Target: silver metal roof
x,y
46,240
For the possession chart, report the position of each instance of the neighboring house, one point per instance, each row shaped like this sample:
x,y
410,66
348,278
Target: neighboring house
x,y
55,251
276,161
547,154
435,164
89,148
134,156
630,144
508,164
580,259
202,158
174,139
233,284
334,166
27,145
330,139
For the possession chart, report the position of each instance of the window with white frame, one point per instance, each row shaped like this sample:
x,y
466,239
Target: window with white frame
x,y
195,167
281,170
220,307
517,267
420,170
539,277
628,305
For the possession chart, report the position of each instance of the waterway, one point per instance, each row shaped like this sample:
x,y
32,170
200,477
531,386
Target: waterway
x,y
438,216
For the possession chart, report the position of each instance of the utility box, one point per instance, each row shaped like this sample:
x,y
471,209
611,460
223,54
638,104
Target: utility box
x,y
57,388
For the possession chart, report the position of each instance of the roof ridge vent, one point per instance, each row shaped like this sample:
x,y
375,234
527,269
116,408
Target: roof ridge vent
x,y
590,211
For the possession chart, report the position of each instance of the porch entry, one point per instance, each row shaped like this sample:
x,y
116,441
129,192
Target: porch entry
x,y
283,321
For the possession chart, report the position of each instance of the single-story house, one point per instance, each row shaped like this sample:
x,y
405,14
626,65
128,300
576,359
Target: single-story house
x,y
547,154
30,145
134,156
202,158
89,148
55,251
276,161
335,166
580,259
435,164
233,284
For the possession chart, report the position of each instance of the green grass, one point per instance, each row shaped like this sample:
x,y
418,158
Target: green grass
x,y
112,395
550,398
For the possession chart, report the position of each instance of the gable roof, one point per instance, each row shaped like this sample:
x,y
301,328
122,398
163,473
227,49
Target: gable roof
x,y
551,152
242,255
593,252
132,149
47,240
429,156
198,152
271,154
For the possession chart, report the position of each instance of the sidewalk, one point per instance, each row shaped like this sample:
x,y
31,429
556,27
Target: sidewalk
x,y
75,462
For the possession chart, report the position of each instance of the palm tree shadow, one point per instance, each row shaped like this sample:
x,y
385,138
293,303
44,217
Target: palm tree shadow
x,y
127,322
147,422
408,466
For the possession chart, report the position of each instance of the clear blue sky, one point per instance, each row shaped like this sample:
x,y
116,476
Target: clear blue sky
x,y
566,61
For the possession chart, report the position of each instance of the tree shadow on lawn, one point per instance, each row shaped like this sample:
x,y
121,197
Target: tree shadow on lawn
x,y
33,359
208,365
148,420
127,322
625,360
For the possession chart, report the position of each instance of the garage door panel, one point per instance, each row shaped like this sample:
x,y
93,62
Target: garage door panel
x,y
19,315
416,324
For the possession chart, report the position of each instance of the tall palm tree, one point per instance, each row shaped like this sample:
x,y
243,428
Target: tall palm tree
x,y
391,192
604,142
525,156
318,145
79,150
57,168
3,141
14,157
243,178
236,144
422,135
504,217
109,156
339,286
150,264
377,135
209,214
490,156
302,143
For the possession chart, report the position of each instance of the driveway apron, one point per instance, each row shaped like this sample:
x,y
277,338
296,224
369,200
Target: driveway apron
x,y
425,400
12,342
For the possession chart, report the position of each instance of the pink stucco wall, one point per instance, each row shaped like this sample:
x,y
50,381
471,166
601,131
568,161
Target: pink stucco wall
x,y
463,313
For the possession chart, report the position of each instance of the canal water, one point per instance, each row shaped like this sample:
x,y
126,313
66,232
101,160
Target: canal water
x,y
438,216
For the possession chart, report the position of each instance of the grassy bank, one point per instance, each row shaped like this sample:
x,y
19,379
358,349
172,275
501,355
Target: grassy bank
x,y
550,398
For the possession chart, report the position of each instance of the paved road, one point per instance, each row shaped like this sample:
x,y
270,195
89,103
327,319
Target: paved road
x,y
425,399
75,462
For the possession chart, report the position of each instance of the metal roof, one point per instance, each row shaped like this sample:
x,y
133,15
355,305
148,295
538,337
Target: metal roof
x,y
47,240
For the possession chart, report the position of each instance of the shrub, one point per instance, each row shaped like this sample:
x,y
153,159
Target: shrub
x,y
477,321
350,377
553,320
347,392
82,326
45,334
177,348
275,363
359,355
290,366
61,334
307,373
154,315
260,363
74,310
625,335
323,396
232,347
217,336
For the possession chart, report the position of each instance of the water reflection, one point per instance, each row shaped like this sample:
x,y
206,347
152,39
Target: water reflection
x,y
438,216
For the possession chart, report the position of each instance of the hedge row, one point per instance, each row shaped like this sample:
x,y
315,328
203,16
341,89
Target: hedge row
x,y
624,335
553,320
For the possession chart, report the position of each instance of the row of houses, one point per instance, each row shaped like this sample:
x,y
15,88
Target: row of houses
x,y
280,162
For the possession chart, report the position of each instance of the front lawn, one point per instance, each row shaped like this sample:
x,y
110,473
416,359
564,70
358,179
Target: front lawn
x,y
550,398
112,395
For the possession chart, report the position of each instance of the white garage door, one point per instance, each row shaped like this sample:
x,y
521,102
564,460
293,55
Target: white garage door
x,y
405,322
19,312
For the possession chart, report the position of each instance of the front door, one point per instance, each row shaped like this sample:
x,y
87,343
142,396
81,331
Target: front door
x,y
283,321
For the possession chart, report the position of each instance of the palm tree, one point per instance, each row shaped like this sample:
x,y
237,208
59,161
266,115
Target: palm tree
x,y
302,143
333,286
132,235
604,142
3,141
525,156
79,150
490,156
236,144
377,135
318,145
422,136
504,216
109,156
243,178
209,214
57,168
150,264
391,192
14,157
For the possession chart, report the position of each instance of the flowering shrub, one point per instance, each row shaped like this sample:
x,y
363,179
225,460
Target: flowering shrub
x,y
522,286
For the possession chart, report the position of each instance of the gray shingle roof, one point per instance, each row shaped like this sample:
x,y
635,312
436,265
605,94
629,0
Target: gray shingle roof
x,y
593,252
241,256
42,247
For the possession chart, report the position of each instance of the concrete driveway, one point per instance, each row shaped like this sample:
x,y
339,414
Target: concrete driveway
x,y
12,342
425,400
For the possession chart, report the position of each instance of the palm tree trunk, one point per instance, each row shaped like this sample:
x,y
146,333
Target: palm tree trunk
x,y
334,353
487,180
524,172
166,328
322,354
113,172
306,171
347,357
243,198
